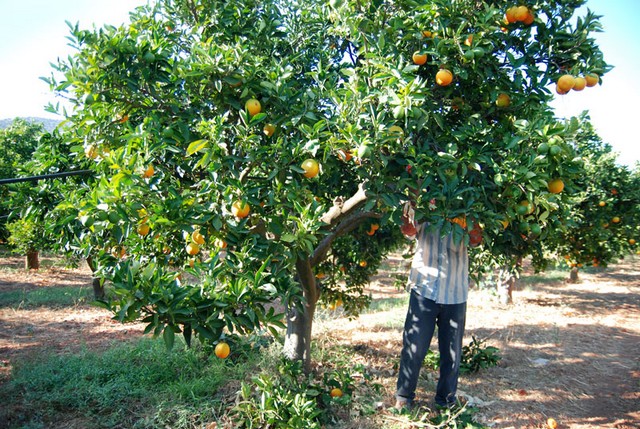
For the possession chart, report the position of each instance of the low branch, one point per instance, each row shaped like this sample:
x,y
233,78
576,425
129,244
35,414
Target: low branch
x,y
341,208
347,225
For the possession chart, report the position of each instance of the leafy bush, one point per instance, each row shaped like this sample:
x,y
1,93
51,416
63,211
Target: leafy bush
x,y
474,357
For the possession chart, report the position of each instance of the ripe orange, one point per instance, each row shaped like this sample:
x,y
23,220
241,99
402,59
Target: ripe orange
x,y
427,33
335,392
344,155
560,91
469,40
311,168
419,58
615,219
375,227
253,106
150,171
269,129
503,100
444,77
520,14
525,207
528,20
240,209
222,350
220,243
580,83
566,82
511,15
193,249
592,79
632,241
144,229
602,204
363,263
551,423
197,238
555,186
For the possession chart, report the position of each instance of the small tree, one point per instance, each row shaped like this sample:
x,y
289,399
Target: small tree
x,y
256,144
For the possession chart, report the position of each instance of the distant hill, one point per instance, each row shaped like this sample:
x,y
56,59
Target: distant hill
x,y
49,124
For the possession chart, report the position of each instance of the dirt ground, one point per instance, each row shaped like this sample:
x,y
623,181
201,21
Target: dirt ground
x,y
569,351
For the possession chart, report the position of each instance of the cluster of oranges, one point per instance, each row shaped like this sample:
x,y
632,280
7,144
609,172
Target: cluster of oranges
x,y
519,14
568,82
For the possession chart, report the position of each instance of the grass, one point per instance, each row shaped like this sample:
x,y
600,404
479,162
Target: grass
x,y
67,296
139,385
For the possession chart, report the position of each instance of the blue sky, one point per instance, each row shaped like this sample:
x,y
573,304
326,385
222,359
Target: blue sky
x,y
33,34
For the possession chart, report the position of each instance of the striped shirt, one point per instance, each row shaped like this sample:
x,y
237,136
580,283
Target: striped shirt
x,y
440,268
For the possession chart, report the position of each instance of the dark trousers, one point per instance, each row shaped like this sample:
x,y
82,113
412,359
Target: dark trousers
x,y
422,318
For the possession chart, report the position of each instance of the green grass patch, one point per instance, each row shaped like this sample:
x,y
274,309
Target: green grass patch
x,y
67,296
387,304
546,277
140,385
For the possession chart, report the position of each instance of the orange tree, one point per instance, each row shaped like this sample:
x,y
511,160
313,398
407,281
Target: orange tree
x,y
267,148
603,224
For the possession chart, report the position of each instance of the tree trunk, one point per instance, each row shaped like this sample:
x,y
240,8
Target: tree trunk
x,y
297,345
32,260
506,284
573,275
96,282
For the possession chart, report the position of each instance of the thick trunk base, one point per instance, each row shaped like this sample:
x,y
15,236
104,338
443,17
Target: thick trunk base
x,y
573,275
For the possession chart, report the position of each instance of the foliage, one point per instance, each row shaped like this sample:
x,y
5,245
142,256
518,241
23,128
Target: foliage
x,y
25,236
475,356
130,385
159,115
17,143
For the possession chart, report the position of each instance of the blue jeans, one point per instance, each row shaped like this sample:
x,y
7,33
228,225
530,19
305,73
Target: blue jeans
x,y
422,318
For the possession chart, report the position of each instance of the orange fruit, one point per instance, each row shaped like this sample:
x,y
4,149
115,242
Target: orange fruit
x,y
505,223
220,243
240,209
560,91
311,168
632,241
344,155
419,58
427,33
193,249
222,350
460,220
371,232
118,252
555,186
143,229
566,82
527,207
469,40
253,106
503,100
580,83
375,227
616,219
363,263
335,392
592,79
269,129
510,15
528,20
602,204
520,14
551,423
444,77
150,171
197,238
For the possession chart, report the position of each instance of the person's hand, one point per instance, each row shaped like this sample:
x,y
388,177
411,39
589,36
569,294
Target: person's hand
x,y
408,227
475,235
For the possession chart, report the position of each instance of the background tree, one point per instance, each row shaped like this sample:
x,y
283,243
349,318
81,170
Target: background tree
x,y
258,146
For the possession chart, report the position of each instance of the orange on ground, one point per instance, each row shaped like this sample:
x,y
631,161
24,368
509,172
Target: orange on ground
x,y
555,186
419,58
310,167
240,209
444,77
222,350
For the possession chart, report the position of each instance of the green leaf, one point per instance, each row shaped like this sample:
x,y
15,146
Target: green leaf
x,y
169,337
197,146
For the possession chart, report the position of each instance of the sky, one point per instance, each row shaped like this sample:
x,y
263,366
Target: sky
x,y
33,34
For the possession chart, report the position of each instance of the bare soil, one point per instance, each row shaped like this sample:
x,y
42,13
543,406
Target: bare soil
x,y
569,351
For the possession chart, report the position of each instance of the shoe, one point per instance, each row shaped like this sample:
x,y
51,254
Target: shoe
x,y
459,404
403,404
